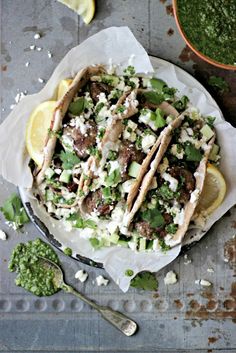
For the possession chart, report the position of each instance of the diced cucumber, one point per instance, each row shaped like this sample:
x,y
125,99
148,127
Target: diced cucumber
x,y
114,238
105,242
49,173
123,243
142,244
207,132
65,176
134,169
127,185
49,195
214,152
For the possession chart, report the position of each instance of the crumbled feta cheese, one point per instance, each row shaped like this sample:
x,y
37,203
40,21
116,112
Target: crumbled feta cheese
x,y
179,217
57,171
203,282
187,260
102,98
113,166
132,125
174,151
121,85
147,142
3,235
194,196
80,124
32,47
38,48
37,36
173,182
81,275
101,281
163,166
170,278
27,63
210,270
41,80
49,54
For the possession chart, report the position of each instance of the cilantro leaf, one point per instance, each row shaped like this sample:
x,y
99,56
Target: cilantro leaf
x,y
113,178
145,280
129,71
69,159
181,104
154,97
77,107
192,153
163,245
153,217
159,120
96,244
14,211
166,192
171,228
79,222
158,84
219,84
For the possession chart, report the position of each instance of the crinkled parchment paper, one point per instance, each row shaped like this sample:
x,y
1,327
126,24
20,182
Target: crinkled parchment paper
x,y
120,46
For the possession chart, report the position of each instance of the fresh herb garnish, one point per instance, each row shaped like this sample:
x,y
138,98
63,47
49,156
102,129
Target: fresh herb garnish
x,y
163,245
52,133
129,71
153,217
210,120
93,151
171,228
166,193
158,84
113,178
129,272
79,222
77,107
112,155
101,132
120,109
67,251
219,84
96,244
14,211
69,159
145,280
99,106
192,154
154,97
159,120
181,104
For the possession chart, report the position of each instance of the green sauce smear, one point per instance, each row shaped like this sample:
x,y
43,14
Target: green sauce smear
x,y
210,25
31,276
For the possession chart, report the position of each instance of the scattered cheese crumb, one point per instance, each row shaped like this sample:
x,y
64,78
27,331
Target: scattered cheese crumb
x,y
203,282
170,278
41,80
37,36
3,235
27,63
101,281
32,47
210,270
49,54
38,48
81,275
187,260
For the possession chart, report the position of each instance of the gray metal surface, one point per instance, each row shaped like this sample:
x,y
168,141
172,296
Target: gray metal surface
x,y
179,318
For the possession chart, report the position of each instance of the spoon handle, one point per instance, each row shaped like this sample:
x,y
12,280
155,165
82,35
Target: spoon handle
x,y
117,319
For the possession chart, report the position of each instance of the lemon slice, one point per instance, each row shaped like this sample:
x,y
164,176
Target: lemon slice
x,y
213,192
63,87
84,8
37,130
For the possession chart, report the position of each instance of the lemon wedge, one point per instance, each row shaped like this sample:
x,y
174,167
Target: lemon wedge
x,y
63,87
37,130
84,8
213,192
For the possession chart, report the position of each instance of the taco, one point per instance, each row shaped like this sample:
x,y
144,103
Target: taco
x,y
171,189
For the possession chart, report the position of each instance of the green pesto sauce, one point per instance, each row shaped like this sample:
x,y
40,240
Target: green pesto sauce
x,y
31,276
210,25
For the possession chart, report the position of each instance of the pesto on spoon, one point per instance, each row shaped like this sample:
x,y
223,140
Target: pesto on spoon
x,y
39,272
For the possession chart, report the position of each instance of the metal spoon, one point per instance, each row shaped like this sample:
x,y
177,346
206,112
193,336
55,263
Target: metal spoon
x,y
117,319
